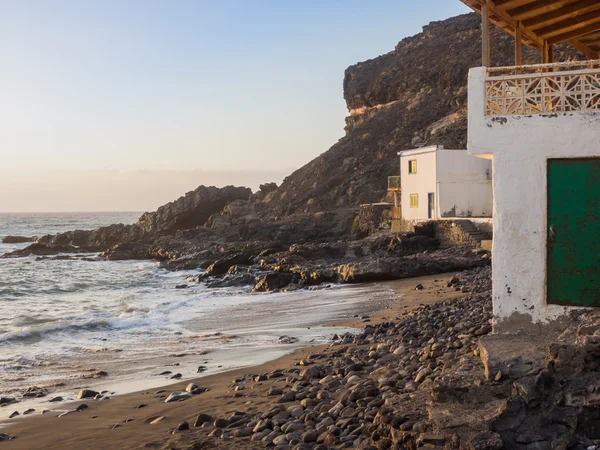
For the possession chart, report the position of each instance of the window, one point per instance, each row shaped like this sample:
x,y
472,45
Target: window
x,y
414,200
412,166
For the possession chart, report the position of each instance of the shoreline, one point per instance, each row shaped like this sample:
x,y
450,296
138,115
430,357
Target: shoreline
x,y
227,344
79,429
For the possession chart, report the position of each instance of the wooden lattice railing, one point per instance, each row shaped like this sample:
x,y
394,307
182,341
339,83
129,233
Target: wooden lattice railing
x,y
543,89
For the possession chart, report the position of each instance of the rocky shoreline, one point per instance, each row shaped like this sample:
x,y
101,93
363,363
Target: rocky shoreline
x,y
410,379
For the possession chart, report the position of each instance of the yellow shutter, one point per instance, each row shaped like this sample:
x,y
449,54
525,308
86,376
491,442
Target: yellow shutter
x,y
414,200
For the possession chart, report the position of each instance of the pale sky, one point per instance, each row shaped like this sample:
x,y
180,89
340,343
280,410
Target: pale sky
x,y
127,104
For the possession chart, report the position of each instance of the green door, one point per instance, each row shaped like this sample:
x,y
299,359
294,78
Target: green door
x,y
574,232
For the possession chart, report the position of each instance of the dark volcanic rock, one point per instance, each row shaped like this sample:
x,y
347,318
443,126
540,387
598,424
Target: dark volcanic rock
x,y
273,281
17,239
187,212
414,94
221,266
191,210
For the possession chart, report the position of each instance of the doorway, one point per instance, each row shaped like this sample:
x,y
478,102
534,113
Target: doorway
x,y
430,205
573,247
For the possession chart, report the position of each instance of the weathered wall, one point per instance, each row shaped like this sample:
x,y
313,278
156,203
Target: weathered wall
x,y
421,183
450,233
464,185
520,147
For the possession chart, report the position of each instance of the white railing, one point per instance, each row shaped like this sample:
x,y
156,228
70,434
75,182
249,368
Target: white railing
x,y
543,89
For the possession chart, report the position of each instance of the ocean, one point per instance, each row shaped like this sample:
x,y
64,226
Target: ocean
x,y
67,324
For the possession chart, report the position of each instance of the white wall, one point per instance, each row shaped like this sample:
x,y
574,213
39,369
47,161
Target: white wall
x,y
421,183
464,185
520,147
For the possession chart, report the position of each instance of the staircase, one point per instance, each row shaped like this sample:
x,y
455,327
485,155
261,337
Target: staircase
x,y
472,233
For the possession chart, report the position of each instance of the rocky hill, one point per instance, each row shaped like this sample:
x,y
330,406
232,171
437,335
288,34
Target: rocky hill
x,y
416,94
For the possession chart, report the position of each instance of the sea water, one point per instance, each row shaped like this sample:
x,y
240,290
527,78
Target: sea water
x,y
62,321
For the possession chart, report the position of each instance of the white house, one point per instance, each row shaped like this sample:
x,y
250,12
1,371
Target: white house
x,y
440,183
540,127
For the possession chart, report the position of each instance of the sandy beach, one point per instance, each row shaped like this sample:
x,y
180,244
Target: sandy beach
x,y
124,421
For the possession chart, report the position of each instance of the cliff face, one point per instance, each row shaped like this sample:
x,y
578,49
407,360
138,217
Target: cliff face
x,y
416,94
187,212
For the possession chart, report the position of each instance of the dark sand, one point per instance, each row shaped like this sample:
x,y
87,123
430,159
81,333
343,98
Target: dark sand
x,y
79,430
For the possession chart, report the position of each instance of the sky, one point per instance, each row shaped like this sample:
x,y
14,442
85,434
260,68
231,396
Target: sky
x,y
127,104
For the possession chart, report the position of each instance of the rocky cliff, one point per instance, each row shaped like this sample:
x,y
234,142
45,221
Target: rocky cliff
x,y
187,212
416,94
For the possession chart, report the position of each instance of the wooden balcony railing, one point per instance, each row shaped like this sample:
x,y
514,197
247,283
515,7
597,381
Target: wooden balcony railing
x,y
543,89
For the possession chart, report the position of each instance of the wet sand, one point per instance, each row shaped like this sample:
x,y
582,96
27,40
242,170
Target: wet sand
x,y
79,430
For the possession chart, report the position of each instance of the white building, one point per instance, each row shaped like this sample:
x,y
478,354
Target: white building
x,y
439,183
540,126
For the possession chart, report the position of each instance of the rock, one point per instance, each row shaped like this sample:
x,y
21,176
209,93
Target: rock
x,y
268,187
273,281
157,419
432,439
221,266
86,393
192,388
486,440
309,437
419,287
17,239
182,426
177,376
178,397
81,407
201,369
7,401
28,411
274,391
221,423
201,419
14,414
312,373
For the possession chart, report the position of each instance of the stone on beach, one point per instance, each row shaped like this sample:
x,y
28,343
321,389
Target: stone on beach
x,y
178,397
86,393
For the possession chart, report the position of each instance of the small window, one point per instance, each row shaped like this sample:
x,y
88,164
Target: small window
x,y
412,166
414,200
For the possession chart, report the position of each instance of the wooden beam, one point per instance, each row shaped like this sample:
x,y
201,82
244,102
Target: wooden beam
x,y
570,11
572,24
518,46
591,37
508,4
485,34
537,8
584,48
576,32
526,35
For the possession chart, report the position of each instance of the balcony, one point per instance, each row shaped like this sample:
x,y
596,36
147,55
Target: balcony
x,y
543,89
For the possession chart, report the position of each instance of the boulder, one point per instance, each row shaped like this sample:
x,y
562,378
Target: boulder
x,y
221,266
273,281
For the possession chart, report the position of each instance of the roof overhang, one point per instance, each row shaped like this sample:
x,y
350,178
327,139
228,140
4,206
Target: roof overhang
x,y
576,22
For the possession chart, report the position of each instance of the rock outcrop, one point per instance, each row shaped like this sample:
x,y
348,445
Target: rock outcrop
x,y
188,212
416,94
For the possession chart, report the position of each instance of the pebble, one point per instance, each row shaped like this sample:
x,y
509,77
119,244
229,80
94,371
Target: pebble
x,y
158,419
